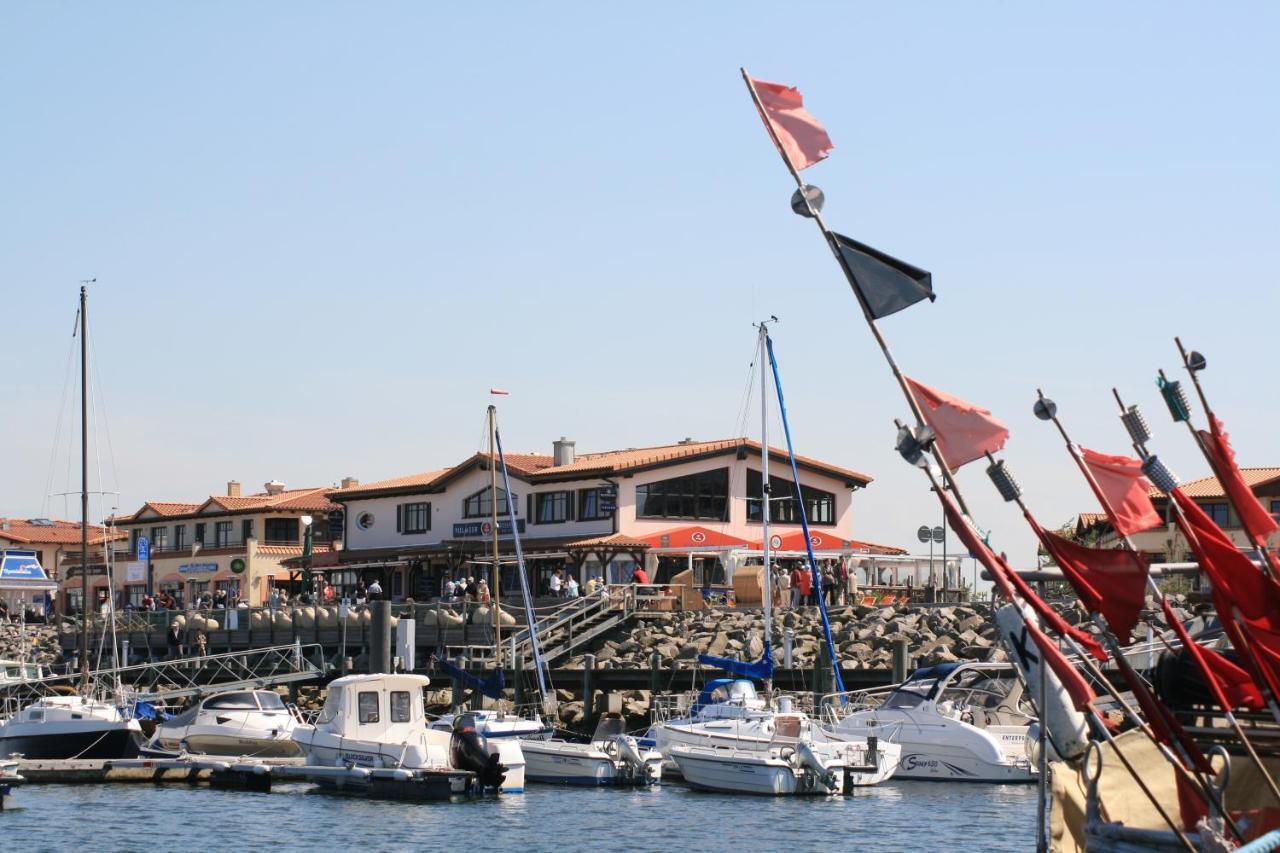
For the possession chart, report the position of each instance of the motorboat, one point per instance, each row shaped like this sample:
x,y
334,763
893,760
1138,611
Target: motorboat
x,y
612,757
372,734
505,733
17,671
729,714
249,723
800,767
62,727
963,721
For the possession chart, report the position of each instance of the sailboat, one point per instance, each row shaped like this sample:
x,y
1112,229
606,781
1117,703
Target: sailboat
x,y
745,744
84,725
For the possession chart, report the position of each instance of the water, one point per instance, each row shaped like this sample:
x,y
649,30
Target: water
x,y
896,816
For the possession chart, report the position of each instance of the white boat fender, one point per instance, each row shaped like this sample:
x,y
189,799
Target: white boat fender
x,y
808,758
1067,727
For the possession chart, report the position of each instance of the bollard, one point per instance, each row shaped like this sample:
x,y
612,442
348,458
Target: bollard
x,y
588,686
901,661
124,653
821,673
380,637
788,641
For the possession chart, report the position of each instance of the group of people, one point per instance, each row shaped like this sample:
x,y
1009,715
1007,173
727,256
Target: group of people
x,y
794,587
466,589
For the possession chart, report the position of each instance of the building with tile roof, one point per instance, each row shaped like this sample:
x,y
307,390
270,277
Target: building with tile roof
x,y
54,541
233,542
588,512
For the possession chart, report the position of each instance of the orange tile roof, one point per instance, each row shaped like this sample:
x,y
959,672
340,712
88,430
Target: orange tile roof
x,y
613,540
426,478
1089,519
21,531
872,547
290,550
167,508
1209,487
314,499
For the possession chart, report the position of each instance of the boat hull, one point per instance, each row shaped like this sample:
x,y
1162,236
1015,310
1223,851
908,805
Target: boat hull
x,y
107,741
744,773
952,751
584,764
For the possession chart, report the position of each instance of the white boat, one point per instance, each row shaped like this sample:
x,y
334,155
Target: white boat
x,y
956,722
797,768
249,723
8,778
611,758
374,726
503,732
17,671
70,727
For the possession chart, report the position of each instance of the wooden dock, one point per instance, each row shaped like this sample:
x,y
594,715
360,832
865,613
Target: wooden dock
x,y
97,771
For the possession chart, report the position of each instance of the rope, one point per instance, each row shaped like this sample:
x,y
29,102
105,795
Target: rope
x,y
57,432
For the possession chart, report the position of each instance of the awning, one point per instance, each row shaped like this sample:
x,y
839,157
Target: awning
x,y
693,537
794,541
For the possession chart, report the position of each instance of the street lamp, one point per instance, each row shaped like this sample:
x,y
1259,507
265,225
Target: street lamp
x,y
307,521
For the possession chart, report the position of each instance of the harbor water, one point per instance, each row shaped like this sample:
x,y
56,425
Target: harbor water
x,y
897,816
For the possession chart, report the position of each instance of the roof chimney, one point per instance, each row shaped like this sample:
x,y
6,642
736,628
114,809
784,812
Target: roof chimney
x,y
687,440
350,482
273,488
233,488
562,451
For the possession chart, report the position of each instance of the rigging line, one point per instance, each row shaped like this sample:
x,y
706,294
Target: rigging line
x,y
106,421
57,432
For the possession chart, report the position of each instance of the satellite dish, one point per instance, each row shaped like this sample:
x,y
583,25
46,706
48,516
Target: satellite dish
x,y
1196,362
924,534
1045,409
815,198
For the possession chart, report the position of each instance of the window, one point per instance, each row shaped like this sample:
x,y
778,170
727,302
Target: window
x,y
1218,512
704,495
550,507
246,530
1275,510
413,518
179,537
200,532
133,541
271,701
134,594
480,505
233,702
590,502
367,706
820,506
281,530
159,538
221,534
195,589
400,706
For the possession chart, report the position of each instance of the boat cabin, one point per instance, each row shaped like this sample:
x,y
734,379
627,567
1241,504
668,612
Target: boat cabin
x,y
728,693
384,708
990,690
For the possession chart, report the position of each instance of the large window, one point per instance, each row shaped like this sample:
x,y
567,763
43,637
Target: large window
x,y
589,502
367,706
281,531
159,538
221,534
133,594
551,507
200,532
400,706
703,496
414,517
179,537
246,530
133,540
480,505
1218,512
819,505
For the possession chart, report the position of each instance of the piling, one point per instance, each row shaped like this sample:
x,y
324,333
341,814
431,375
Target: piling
x,y
380,637
455,697
588,686
788,642
821,675
901,661
655,677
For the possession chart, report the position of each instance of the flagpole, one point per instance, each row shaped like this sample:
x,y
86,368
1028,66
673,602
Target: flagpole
x,y
816,216
1259,544
1094,717
495,576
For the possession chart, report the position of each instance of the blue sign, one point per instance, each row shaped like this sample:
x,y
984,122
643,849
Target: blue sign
x,y
197,568
485,528
21,565
144,549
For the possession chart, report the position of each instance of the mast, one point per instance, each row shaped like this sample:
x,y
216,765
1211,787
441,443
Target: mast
x,y
496,575
84,489
765,505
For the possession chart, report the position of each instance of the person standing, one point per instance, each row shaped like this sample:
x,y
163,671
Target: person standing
x,y
375,591
782,583
571,587
553,585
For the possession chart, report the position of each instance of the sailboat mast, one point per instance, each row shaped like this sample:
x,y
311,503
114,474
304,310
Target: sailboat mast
x,y
765,506
84,489
495,577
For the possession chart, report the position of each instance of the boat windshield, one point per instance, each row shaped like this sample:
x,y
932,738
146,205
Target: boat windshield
x,y
270,701
735,693
232,702
911,694
977,689
607,728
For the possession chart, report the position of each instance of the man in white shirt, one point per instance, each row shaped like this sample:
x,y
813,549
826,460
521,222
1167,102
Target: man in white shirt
x,y
375,591
554,584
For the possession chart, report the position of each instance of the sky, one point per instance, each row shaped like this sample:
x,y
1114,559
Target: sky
x,y
322,231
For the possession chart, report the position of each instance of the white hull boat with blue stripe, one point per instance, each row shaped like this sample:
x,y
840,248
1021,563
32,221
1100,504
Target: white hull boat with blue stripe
x,y
612,758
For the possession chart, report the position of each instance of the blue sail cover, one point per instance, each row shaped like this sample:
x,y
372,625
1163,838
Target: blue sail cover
x,y
762,669
493,686
804,522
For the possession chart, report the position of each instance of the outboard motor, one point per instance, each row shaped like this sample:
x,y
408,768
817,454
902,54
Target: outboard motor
x,y
468,750
809,759
629,752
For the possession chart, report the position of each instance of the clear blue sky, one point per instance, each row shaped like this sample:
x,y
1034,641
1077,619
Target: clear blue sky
x,y
322,231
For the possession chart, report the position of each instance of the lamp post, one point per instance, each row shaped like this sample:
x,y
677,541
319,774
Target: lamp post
x,y
307,521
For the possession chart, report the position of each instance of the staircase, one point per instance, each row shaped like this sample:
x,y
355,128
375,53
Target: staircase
x,y
572,625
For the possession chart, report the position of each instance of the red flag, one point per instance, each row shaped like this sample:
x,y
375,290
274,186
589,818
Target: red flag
x,y
965,431
1231,686
801,137
1253,515
1123,491
1113,583
1007,580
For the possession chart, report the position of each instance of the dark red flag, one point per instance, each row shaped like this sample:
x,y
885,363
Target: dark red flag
x,y
1110,582
1231,686
1253,515
1123,491
1009,584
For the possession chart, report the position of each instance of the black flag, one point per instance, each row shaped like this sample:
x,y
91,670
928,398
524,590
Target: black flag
x,y
887,285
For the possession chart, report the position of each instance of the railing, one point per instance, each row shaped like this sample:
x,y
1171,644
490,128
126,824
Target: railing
x,y
674,706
